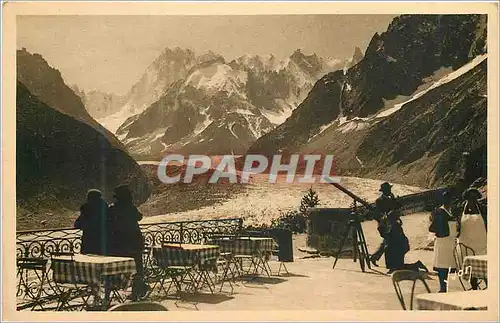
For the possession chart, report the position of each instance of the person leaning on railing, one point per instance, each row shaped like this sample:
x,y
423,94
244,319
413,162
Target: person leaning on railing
x,y
126,236
93,221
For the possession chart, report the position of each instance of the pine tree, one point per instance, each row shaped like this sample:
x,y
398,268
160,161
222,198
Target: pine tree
x,y
309,200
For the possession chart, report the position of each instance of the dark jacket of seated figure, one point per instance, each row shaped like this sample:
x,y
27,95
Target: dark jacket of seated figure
x,y
127,239
396,240
93,221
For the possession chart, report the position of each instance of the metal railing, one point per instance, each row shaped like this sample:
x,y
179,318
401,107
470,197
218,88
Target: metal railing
x,y
41,243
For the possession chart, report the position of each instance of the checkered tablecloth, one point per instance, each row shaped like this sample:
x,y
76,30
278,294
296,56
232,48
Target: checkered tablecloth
x,y
90,269
453,301
185,254
476,267
246,245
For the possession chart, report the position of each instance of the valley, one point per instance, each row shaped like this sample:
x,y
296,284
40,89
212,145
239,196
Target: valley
x,y
409,108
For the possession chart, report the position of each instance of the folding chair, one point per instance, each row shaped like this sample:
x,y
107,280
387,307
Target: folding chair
x,y
177,273
227,265
240,258
224,263
459,253
202,274
115,284
68,285
153,274
32,276
255,256
407,275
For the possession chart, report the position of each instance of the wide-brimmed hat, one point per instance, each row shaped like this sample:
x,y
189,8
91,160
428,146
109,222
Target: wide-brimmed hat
x,y
385,186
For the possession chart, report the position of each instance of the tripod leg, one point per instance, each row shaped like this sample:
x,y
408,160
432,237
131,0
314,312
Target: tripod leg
x,y
364,249
344,238
359,250
355,245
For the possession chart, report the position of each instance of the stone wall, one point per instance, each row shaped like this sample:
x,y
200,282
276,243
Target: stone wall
x,y
326,227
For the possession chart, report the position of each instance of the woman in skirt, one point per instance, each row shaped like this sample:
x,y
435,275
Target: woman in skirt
x,y
444,226
472,229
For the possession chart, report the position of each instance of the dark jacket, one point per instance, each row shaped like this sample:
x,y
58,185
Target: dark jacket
x,y
439,223
127,239
94,223
387,203
397,245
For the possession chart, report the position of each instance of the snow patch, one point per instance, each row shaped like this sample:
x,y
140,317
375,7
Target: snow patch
x,y
391,59
278,118
243,111
165,146
322,129
115,120
123,136
353,125
217,77
230,127
204,125
446,79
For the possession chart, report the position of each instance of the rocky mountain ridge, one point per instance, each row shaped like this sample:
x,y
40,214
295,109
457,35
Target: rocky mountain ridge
x,y
413,54
61,151
222,107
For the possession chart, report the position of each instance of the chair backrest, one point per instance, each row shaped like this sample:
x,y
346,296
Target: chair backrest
x,y
138,307
210,236
460,252
407,275
32,263
256,233
174,242
62,254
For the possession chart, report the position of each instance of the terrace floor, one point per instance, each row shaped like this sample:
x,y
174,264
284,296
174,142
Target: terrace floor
x,y
314,285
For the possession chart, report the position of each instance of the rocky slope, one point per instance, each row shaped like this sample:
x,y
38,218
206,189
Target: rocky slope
x,y
47,84
61,151
172,65
343,112
222,107
355,59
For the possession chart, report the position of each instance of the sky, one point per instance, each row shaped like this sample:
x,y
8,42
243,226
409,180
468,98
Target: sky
x,y
110,53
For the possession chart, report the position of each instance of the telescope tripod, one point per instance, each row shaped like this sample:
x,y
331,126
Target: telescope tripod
x,y
360,250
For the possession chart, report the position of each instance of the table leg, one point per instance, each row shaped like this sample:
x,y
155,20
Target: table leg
x,y
107,292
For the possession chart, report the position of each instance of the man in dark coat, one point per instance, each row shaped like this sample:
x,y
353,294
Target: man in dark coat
x,y
127,238
397,245
93,221
385,204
